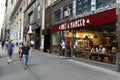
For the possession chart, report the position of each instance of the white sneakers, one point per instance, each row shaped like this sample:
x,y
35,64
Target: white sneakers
x,y
61,56
9,61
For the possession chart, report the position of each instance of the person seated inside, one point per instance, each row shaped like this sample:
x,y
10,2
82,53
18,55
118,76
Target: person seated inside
x,y
102,49
94,49
113,51
113,55
104,58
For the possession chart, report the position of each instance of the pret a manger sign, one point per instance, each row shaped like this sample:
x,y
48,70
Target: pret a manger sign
x,y
74,24
102,18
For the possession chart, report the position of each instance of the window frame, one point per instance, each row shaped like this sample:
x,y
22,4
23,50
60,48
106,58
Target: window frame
x,y
82,6
57,15
70,5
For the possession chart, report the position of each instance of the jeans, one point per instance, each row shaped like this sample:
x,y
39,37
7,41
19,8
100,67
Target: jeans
x,y
25,60
63,52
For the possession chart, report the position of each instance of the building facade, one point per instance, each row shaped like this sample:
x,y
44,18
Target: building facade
x,y
3,28
32,17
6,22
84,24
16,20
46,24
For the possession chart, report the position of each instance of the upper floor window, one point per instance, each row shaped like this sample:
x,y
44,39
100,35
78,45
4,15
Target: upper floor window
x,y
67,10
38,9
30,17
108,3
82,6
99,4
57,15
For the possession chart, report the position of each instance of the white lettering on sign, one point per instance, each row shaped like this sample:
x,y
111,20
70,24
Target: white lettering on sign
x,y
87,21
63,26
74,24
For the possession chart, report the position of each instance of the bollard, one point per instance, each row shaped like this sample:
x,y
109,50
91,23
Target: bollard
x,y
118,63
48,51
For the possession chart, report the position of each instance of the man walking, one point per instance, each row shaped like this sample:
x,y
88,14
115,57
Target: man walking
x,y
10,49
26,51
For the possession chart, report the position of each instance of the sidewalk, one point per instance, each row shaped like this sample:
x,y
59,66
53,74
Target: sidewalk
x,y
3,52
42,66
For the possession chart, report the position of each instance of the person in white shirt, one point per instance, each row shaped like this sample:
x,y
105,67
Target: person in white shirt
x,y
62,44
94,49
102,49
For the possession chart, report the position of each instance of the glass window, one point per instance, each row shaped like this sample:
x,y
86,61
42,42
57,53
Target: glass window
x,y
57,15
99,4
38,11
109,2
31,16
99,1
82,6
67,10
85,1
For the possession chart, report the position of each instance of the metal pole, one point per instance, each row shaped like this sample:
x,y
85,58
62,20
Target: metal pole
x,y
73,44
118,39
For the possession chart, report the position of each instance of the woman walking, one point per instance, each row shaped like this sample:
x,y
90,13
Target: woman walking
x,y
62,48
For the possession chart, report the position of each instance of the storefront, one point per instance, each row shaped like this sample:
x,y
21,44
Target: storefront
x,y
83,33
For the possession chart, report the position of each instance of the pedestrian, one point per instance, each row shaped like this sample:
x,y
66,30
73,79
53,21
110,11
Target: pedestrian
x,y
94,50
3,42
32,43
62,48
20,50
26,51
9,49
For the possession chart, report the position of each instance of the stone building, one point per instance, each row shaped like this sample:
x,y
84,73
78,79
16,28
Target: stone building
x,y
32,17
84,24
46,25
16,20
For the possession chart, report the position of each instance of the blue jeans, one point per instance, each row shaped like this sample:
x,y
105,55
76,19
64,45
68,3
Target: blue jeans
x,y
63,52
25,60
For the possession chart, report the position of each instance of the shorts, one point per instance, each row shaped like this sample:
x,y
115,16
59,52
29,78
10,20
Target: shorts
x,y
10,53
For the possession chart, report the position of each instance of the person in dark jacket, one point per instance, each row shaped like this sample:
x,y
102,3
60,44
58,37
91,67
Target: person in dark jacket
x,y
3,42
26,51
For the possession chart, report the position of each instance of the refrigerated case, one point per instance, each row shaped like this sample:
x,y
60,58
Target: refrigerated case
x,y
82,44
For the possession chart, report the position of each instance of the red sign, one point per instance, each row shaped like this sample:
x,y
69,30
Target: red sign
x,y
102,18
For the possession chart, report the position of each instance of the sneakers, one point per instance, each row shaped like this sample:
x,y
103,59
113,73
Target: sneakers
x,y
61,57
25,67
73,56
9,61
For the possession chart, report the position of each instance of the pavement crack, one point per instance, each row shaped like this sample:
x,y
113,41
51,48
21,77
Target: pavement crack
x,y
31,72
37,78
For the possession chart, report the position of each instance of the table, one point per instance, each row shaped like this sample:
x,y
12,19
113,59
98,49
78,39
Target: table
x,y
100,55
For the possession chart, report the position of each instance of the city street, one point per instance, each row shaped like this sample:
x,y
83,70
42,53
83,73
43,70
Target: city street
x,y
50,67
